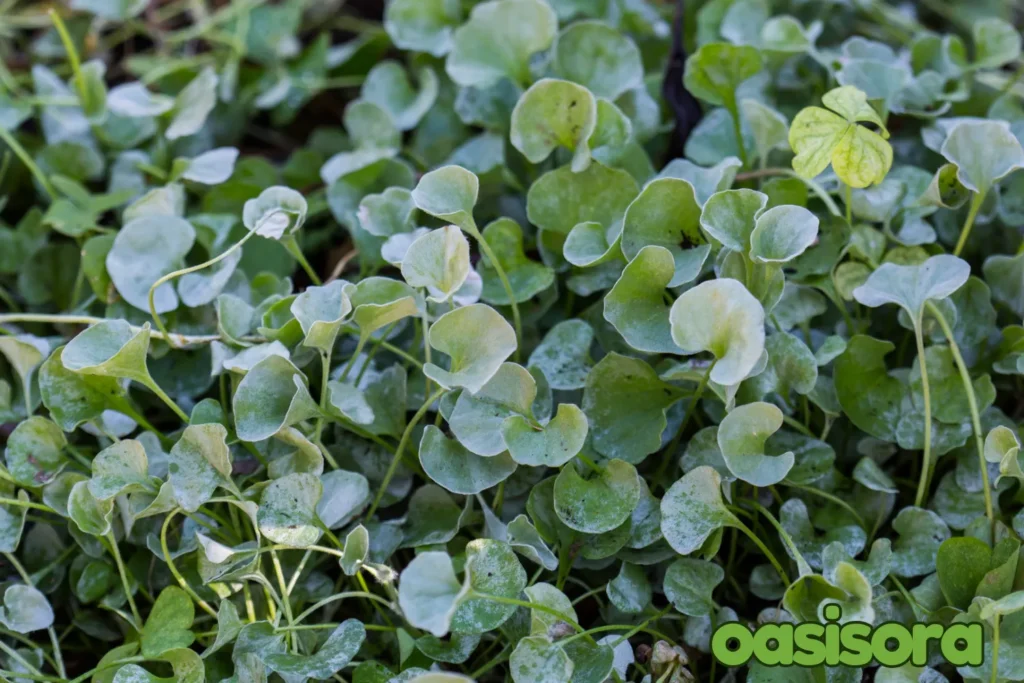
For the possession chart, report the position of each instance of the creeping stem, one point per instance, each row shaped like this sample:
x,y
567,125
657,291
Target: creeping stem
x,y
972,213
926,464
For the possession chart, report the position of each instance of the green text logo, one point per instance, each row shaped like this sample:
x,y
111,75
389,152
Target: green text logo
x,y
854,643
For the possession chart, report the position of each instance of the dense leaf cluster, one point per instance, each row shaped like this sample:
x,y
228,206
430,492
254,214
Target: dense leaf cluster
x,y
468,378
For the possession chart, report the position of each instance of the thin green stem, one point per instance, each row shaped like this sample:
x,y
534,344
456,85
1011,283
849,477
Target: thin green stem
x,y
162,395
115,551
764,549
61,319
849,202
73,58
666,459
972,213
995,649
500,271
926,464
814,187
185,271
341,596
737,130
406,435
798,426
27,504
531,605
174,570
292,245
283,585
325,377
829,497
352,359
972,403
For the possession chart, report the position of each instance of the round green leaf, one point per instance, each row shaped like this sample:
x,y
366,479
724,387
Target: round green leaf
x,y
25,609
689,584
276,212
491,569
636,306
438,261
321,312
722,317
429,592
599,501
287,512
782,233
422,25
552,445
144,250
560,199
199,462
599,58
552,114
692,510
984,152
741,437
477,339
458,470
271,397
35,452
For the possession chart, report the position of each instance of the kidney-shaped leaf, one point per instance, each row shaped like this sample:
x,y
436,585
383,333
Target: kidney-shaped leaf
x,y
25,609
636,306
321,312
741,438
722,317
429,592
35,452
692,510
984,152
598,57
782,233
277,211
336,652
552,114
910,287
199,462
287,512
438,261
271,396
452,466
597,501
144,250
477,339
552,445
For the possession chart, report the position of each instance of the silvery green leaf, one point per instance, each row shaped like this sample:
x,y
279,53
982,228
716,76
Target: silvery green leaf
x,y
111,9
109,349
498,41
92,516
247,358
287,512
910,287
630,591
357,550
120,468
551,445
387,85
422,26
741,438
554,113
200,288
526,278
199,463
455,650
449,193
945,189
429,592
629,430
598,57
321,311
770,129
349,402
527,541
722,317
144,250
782,233
433,517
12,519
169,623
135,100
491,569
277,211
692,510
192,105
705,181
391,212
560,199
25,609
689,584
537,659
564,354
35,452
666,214
336,652
451,465
211,168
271,397
379,301
868,473
439,262
636,306
477,339
715,71
921,532
24,353
1005,275
599,501
996,42
984,152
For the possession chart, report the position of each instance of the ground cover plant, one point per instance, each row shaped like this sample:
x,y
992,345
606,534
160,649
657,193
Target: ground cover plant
x,y
522,340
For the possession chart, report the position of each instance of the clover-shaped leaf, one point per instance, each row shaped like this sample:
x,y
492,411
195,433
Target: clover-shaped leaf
x,y
144,250
271,397
169,624
722,317
25,609
599,501
498,41
477,339
287,512
277,212
451,465
438,261
859,156
552,114
429,592
741,437
336,652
